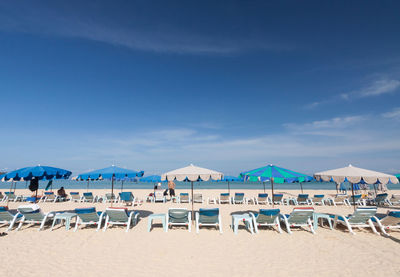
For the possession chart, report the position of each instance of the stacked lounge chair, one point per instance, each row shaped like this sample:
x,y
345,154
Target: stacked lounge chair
x,y
120,216
224,198
75,197
88,216
361,218
299,217
184,197
6,217
208,217
387,222
238,198
318,199
127,198
32,214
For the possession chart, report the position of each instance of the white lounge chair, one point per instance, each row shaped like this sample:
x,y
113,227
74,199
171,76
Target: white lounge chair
x,y
198,198
179,217
339,199
299,217
6,217
159,196
388,222
88,216
208,217
361,218
120,216
184,197
266,217
75,197
224,198
32,214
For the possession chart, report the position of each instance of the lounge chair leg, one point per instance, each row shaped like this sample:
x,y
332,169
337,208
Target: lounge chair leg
x,y
371,224
76,224
106,223
311,226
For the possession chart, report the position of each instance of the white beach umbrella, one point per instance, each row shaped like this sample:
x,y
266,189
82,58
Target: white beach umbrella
x,y
192,174
355,175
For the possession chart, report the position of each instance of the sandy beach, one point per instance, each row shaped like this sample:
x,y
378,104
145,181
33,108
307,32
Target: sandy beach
x,y
178,252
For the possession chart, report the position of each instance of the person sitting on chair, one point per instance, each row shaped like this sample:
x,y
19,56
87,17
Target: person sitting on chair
x,y
61,192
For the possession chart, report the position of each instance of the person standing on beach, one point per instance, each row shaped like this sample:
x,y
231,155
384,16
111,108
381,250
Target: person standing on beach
x,y
171,187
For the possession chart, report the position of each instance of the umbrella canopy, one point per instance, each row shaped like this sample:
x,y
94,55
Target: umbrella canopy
x,y
280,175
355,175
192,173
36,172
112,172
398,176
151,179
274,174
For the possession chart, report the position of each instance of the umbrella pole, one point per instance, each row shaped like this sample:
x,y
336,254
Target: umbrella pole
x,y
87,186
272,188
264,186
192,202
229,189
8,198
301,186
375,190
352,192
112,190
122,185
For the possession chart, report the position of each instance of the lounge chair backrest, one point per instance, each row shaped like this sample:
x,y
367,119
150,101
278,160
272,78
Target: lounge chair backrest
x,y
87,214
239,196
380,198
318,197
197,197
302,197
341,197
10,194
88,195
159,195
110,196
277,197
224,196
361,215
75,195
300,215
267,215
47,193
208,215
50,195
5,215
126,196
178,215
262,196
31,212
117,214
357,197
184,196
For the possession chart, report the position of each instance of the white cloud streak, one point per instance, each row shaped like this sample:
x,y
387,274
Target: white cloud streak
x,y
395,113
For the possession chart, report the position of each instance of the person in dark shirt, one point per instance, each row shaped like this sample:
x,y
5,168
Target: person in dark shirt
x,y
61,192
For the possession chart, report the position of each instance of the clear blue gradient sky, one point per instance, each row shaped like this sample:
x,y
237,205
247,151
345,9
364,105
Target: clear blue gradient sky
x,y
229,85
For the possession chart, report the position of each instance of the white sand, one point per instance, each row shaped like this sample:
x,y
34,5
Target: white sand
x,y
178,252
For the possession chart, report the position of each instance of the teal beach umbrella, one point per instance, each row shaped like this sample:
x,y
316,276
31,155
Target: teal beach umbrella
x,y
274,174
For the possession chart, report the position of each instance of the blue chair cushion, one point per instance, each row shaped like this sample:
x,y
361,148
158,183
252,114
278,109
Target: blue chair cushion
x,y
278,195
74,193
48,193
87,194
303,196
85,210
239,194
394,214
319,195
263,195
270,212
125,196
3,209
224,194
209,212
184,193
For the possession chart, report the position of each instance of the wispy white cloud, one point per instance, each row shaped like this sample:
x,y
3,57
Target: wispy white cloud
x,y
43,19
333,123
372,89
395,113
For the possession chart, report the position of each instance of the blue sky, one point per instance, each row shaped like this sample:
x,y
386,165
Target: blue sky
x,y
156,85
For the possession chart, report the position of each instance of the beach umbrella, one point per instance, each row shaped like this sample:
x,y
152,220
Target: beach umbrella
x,y
192,174
151,179
113,172
355,175
276,175
398,176
35,173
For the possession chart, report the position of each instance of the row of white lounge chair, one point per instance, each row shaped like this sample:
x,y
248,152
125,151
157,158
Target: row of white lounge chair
x,y
224,198
299,217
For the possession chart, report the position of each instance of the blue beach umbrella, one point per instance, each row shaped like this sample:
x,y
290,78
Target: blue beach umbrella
x,y
36,173
275,174
112,172
151,179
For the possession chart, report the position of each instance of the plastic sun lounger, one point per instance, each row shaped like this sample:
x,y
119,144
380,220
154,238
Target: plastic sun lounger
x,y
388,222
266,217
2,197
159,196
299,217
88,197
395,199
109,198
339,199
198,198
277,198
75,197
10,196
32,214
262,198
357,199
179,217
184,197
238,198
318,199
120,216
361,218
208,217
6,217
49,197
302,199
88,216
127,198
381,199
224,198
